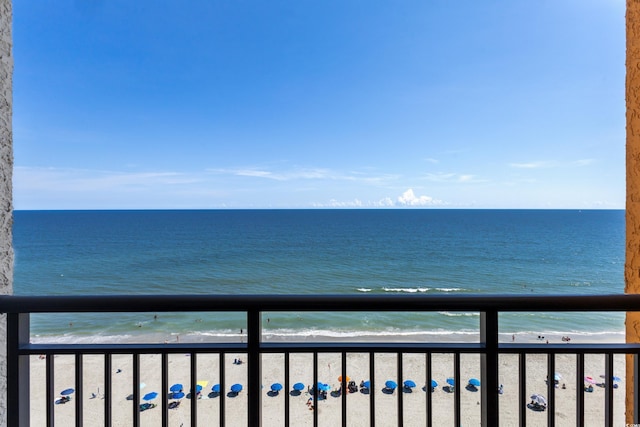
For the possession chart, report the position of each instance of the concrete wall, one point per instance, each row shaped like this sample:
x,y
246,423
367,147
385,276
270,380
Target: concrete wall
x,y
632,263
6,171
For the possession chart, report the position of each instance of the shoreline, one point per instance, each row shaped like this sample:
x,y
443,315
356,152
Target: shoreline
x,y
553,337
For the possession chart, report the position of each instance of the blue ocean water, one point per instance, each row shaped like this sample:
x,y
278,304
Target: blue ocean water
x,y
316,252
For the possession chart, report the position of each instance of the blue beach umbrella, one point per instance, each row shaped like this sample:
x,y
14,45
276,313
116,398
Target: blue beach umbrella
x,y
474,382
391,384
298,386
216,388
366,384
276,386
236,388
66,392
178,395
434,384
198,388
176,387
150,396
451,381
325,387
409,384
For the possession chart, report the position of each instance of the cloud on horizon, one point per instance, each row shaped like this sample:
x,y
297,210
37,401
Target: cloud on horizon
x,y
406,199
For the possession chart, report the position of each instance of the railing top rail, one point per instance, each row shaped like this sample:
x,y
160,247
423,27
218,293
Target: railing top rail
x,y
319,302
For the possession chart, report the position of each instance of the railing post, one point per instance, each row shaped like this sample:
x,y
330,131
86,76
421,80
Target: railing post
x,y
489,367
254,337
17,370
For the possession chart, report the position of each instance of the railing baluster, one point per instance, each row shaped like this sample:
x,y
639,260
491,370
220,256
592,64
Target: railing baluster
x,y
608,387
428,389
50,384
489,367
551,389
372,385
164,369
315,390
287,388
136,390
221,365
254,338
456,389
522,389
193,360
400,387
580,390
79,390
343,389
107,390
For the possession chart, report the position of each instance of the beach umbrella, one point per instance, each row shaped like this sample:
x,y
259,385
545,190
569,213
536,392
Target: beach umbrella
x,y
236,388
557,377
298,386
409,384
474,382
198,388
202,384
451,381
539,399
66,392
391,384
614,378
366,384
176,387
340,378
150,396
177,395
216,388
276,386
434,384
324,387
589,380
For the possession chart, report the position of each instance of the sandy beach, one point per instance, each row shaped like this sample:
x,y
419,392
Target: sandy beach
x,y
329,410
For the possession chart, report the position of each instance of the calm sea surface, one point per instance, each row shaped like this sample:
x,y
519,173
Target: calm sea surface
x,y
317,252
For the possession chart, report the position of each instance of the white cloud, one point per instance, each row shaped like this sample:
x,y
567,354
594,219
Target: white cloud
x,y
531,165
408,198
451,177
551,164
306,174
583,162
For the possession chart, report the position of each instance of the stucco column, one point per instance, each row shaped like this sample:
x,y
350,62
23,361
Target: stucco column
x,y
632,263
6,172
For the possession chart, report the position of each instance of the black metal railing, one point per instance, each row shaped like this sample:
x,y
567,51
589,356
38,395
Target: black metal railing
x,y
20,349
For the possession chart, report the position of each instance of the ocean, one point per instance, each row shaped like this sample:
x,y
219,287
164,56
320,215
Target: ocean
x,y
412,251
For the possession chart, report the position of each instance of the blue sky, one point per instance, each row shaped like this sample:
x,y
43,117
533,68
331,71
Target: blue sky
x,y
319,104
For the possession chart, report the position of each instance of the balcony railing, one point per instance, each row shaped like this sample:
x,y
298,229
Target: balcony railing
x,y
20,350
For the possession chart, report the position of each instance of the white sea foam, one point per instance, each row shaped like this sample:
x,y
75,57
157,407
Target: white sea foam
x,y
458,314
408,290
